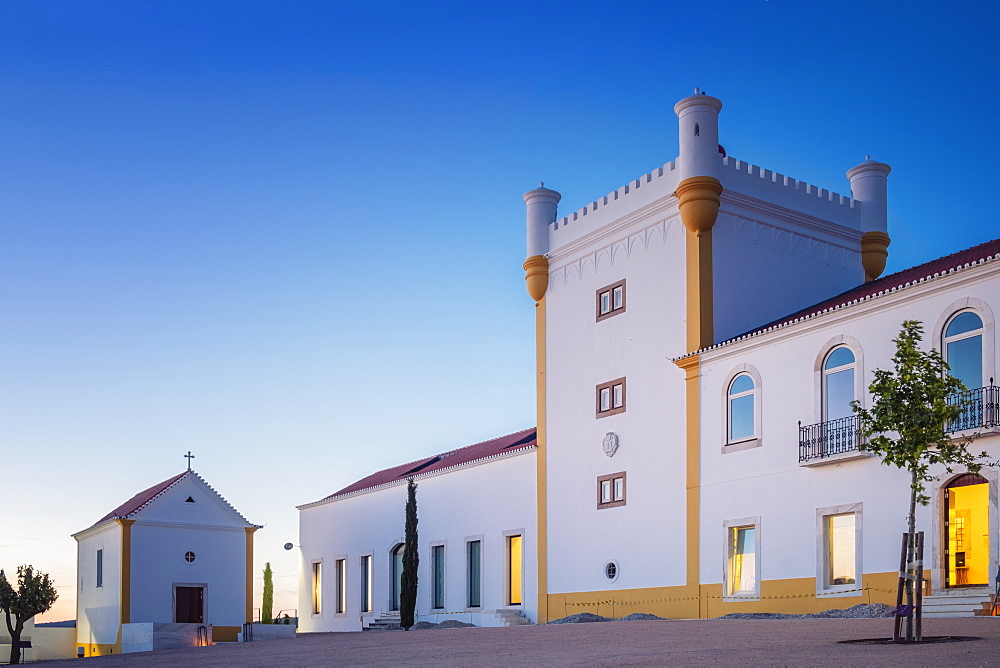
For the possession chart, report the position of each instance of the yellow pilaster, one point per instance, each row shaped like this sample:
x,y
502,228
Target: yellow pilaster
x,y
698,200
126,582
249,564
692,469
536,274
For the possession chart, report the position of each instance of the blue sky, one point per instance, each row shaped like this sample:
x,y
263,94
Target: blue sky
x,y
287,235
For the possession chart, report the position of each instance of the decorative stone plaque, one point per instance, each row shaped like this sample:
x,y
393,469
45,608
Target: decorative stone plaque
x,y
610,444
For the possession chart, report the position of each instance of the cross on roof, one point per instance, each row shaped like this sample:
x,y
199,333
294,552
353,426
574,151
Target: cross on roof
x,y
189,457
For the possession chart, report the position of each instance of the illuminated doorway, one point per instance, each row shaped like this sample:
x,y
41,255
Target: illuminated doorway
x,y
966,521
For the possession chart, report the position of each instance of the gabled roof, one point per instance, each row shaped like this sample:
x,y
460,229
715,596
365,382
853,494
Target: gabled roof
x,y
147,496
922,272
494,448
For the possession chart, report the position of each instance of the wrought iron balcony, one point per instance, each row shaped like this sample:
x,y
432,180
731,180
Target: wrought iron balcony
x,y
825,439
980,409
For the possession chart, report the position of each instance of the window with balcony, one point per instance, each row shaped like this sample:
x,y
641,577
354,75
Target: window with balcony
x,y
838,431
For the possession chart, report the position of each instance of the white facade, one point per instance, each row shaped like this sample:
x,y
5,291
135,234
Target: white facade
x,y
177,544
709,521
486,501
767,481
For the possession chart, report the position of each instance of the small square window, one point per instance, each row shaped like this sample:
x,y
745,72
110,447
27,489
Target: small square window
x,y
611,490
611,300
611,398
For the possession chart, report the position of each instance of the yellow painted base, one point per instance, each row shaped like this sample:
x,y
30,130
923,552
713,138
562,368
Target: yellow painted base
x,y
225,633
98,649
793,596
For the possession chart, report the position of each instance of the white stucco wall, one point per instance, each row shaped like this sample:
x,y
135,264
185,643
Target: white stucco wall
x,y
768,481
482,502
581,354
98,609
158,565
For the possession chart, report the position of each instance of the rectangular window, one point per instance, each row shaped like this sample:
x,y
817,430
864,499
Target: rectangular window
x,y
838,567
437,563
743,561
741,572
611,490
611,300
515,570
611,398
841,558
317,587
366,583
341,570
100,568
475,569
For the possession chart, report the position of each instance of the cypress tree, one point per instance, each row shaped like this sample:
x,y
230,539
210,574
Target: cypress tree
x,y
408,588
267,604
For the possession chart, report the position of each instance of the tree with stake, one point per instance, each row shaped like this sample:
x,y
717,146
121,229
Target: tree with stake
x,y
34,595
408,587
267,602
907,428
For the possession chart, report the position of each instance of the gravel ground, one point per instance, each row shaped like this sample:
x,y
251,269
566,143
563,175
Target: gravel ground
x,y
705,642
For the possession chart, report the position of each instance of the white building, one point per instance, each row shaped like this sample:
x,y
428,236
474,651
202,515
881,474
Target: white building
x,y
701,332
712,501
176,553
477,533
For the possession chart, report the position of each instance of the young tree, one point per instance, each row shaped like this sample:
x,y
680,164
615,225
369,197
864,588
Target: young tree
x,y
34,595
907,427
408,587
267,603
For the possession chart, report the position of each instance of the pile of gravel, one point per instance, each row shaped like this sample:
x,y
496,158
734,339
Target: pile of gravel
x,y
587,617
860,611
446,624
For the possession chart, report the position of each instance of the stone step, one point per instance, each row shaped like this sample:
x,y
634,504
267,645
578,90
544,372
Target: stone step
x,y
958,604
512,617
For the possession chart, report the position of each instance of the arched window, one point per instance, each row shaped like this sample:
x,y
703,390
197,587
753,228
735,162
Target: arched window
x,y
397,574
741,408
838,383
963,348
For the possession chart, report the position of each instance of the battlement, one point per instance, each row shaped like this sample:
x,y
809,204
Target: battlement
x,y
639,192
763,184
736,176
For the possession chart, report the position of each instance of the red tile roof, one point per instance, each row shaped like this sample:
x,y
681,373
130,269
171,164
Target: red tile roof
x,y
918,274
139,501
147,496
518,441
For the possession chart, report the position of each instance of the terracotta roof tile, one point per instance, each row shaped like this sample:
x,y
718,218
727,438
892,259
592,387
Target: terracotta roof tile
x,y
942,265
139,501
498,446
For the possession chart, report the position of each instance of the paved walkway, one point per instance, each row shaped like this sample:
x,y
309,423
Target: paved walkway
x,y
798,642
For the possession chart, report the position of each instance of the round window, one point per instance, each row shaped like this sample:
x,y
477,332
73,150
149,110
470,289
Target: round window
x,y
189,557
611,570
